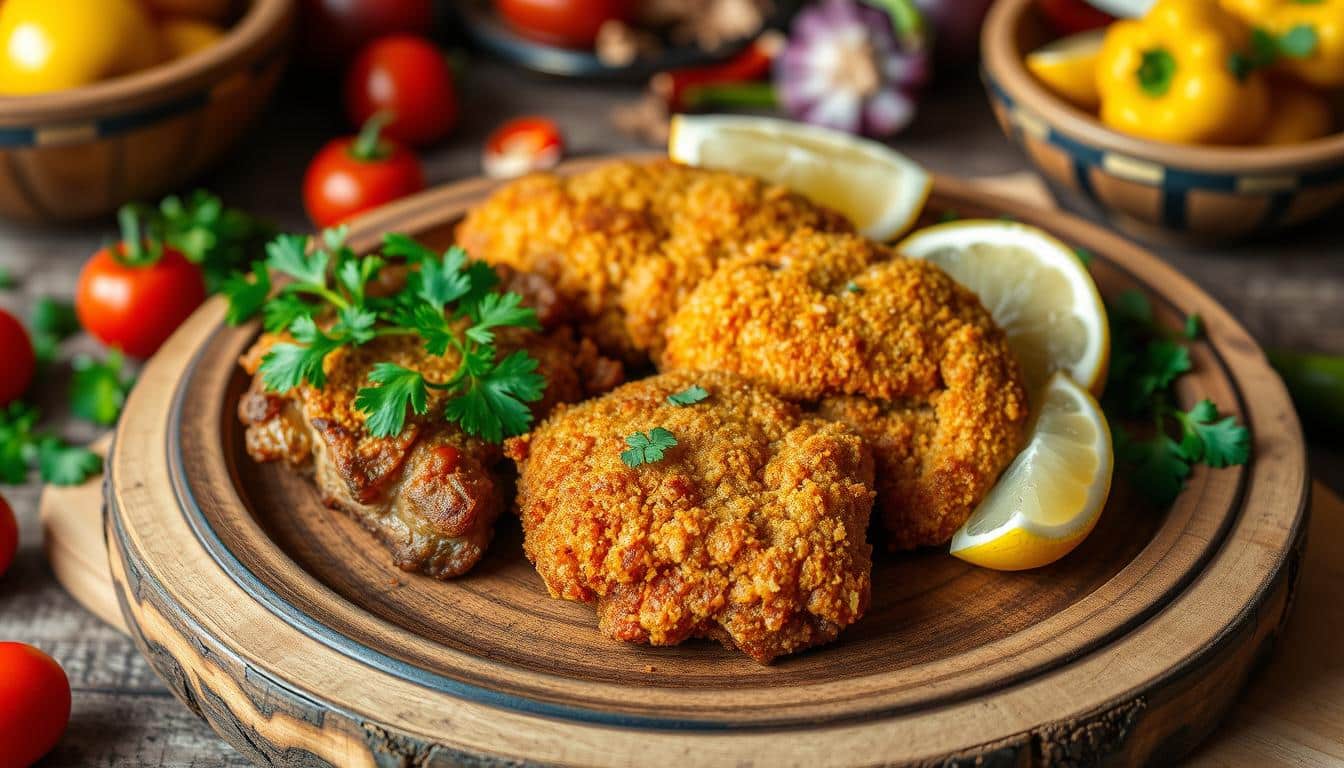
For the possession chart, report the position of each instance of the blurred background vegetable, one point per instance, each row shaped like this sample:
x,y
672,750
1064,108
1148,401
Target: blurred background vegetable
x,y
408,79
956,28
50,45
1317,384
357,173
17,352
9,535
853,67
522,145
34,704
332,30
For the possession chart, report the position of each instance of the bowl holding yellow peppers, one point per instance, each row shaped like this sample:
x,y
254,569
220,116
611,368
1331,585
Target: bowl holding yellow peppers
x,y
107,101
1209,120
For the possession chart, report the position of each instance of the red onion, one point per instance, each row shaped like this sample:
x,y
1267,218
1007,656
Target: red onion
x,y
850,67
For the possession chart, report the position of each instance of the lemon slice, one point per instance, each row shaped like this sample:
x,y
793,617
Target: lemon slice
x,y
1049,498
880,190
1068,67
1037,289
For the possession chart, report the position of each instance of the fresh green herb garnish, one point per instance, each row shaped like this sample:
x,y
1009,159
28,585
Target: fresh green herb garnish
x,y
98,389
23,447
51,322
1194,326
1084,256
448,301
1146,361
647,448
688,396
7,280
221,240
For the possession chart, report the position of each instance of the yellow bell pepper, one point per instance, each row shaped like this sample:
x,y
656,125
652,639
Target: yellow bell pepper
x,y
1308,35
51,45
1169,76
1296,114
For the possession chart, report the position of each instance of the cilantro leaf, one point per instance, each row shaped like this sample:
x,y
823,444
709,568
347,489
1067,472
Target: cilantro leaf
x,y
355,324
16,427
647,448
246,296
443,281
286,365
688,396
493,406
407,247
289,255
1160,465
1216,442
219,239
51,322
62,464
501,309
98,389
386,404
1161,363
281,311
355,273
431,324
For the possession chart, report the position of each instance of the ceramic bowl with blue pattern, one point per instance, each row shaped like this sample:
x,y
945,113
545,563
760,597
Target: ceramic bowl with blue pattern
x,y
1158,189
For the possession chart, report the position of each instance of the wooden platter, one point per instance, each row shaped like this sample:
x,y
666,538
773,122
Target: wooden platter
x,y
284,625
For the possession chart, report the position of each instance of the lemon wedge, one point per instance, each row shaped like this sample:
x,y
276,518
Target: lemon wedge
x,y
1068,67
880,190
1049,498
1036,288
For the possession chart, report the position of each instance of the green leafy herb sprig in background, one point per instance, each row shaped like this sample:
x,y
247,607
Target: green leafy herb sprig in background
x,y
449,301
1146,361
23,447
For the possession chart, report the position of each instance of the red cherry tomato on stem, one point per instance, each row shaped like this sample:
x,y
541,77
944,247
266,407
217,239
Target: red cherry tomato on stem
x,y
522,145
354,174
34,704
408,78
568,23
16,349
9,536
1073,16
334,29
134,297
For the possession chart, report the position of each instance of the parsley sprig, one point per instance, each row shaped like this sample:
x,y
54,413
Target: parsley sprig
x,y
23,446
647,448
1146,361
449,301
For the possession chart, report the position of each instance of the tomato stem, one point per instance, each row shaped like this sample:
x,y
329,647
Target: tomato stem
x,y
141,236
369,146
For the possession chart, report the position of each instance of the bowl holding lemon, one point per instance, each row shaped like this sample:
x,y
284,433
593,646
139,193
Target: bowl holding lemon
x,y
106,101
1203,120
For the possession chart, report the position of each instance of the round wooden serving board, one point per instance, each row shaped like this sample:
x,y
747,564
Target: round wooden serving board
x,y
285,626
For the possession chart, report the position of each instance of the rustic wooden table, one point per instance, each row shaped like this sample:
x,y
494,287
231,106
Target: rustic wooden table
x,y
1289,292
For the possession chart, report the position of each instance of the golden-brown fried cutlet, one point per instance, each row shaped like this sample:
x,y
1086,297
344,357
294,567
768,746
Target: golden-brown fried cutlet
x,y
891,346
429,493
627,241
751,530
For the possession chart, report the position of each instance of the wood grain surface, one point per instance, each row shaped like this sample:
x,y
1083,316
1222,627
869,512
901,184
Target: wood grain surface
x,y
1288,291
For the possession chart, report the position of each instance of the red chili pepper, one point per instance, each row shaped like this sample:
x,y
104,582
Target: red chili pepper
x,y
753,63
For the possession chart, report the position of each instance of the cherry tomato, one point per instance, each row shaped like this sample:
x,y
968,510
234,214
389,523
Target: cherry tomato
x,y
408,78
1073,16
17,351
9,536
522,145
136,307
335,29
356,173
569,23
34,704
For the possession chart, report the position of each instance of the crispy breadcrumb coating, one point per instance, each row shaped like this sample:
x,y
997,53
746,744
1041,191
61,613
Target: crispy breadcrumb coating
x,y
626,242
751,530
893,347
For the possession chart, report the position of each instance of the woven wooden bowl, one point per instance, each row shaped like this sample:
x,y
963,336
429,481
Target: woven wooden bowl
x,y
1154,189
80,153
